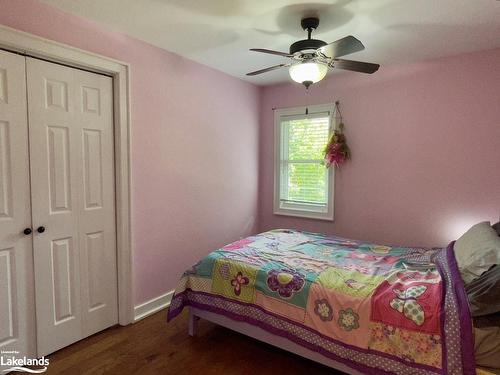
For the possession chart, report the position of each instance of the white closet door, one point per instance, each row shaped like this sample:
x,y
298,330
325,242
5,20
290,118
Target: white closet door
x,y
97,231
17,316
71,152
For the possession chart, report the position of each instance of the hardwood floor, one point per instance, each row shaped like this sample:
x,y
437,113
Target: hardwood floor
x,y
152,346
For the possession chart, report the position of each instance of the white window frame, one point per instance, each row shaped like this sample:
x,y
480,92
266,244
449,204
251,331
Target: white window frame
x,y
310,211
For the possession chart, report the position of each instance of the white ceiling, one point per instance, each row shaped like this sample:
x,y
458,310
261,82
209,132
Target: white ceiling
x,y
218,33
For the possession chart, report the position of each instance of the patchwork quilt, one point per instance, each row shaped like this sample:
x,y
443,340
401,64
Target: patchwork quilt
x,y
377,309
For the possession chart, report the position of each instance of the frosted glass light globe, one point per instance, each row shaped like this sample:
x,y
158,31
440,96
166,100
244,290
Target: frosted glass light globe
x,y
308,72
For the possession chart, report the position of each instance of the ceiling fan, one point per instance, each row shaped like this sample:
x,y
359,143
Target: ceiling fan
x,y
311,58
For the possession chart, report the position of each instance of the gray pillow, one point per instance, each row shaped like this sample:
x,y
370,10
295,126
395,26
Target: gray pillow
x,y
484,292
477,251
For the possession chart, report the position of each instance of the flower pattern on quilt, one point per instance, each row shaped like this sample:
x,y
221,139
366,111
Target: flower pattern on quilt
x,y
285,282
348,319
238,281
415,347
406,303
323,309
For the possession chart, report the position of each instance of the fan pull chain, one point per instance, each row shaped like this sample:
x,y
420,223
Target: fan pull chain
x,y
307,102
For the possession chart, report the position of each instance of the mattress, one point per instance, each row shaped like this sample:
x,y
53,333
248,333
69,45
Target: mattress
x,y
378,309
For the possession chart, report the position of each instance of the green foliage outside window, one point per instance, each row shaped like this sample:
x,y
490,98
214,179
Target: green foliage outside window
x,y
307,176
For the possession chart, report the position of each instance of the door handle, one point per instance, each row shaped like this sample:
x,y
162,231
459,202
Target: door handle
x,y
40,229
27,231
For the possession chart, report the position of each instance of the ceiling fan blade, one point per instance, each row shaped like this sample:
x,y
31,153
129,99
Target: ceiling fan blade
x,y
263,50
342,47
355,66
267,69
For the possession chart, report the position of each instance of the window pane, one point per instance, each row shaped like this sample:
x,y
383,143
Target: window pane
x,y
302,182
307,182
307,138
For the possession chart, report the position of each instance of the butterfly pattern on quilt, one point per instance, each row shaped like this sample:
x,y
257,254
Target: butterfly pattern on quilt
x,y
406,303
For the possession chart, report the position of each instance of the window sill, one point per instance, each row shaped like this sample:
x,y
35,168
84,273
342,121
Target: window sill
x,y
325,216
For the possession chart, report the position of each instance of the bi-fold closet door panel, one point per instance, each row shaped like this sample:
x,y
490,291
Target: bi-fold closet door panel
x,y
72,185
17,313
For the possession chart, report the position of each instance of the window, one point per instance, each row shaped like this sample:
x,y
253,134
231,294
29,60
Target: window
x,y
303,185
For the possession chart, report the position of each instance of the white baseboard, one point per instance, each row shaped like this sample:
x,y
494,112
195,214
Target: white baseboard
x,y
152,306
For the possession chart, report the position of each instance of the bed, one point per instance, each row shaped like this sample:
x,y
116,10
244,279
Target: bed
x,y
357,307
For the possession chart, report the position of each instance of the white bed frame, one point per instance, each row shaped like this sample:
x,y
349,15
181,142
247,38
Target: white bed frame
x,y
264,336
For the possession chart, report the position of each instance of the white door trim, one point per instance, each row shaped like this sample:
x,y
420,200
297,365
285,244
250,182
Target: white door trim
x,y
32,45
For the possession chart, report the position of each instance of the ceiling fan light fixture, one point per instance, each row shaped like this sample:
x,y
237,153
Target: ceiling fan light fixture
x,y
311,58
308,72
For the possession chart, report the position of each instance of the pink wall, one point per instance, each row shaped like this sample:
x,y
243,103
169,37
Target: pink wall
x,y
425,140
194,146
